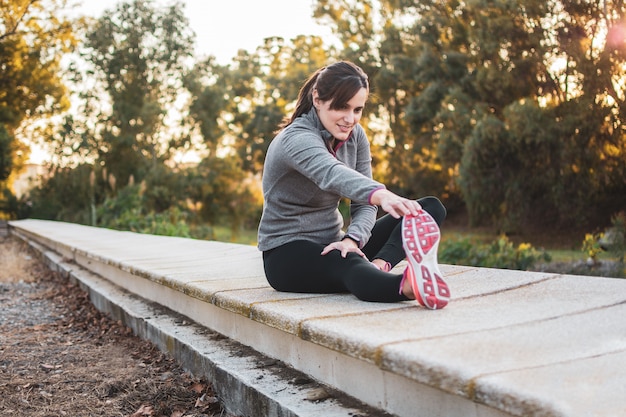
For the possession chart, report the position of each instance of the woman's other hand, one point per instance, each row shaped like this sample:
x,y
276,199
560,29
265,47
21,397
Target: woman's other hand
x,y
344,246
394,204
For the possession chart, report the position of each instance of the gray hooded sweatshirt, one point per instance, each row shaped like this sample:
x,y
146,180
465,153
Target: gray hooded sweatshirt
x,y
304,180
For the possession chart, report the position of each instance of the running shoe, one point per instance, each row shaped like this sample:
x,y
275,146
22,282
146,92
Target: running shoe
x,y
420,239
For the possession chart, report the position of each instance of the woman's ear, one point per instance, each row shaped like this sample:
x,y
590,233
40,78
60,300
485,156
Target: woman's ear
x,y
316,99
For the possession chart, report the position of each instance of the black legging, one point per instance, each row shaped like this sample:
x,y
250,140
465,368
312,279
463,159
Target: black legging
x,y
298,266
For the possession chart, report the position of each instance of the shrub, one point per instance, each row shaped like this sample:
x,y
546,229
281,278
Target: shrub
x,y
591,246
501,253
170,222
613,240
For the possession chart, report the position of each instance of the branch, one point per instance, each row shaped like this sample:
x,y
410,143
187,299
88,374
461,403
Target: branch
x,y
13,30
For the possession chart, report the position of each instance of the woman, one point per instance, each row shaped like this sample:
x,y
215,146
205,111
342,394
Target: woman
x,y
320,155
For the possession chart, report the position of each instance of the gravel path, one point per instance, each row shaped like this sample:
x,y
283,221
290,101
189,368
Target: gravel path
x,y
59,356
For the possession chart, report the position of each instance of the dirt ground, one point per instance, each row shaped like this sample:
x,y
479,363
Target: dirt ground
x,y
59,356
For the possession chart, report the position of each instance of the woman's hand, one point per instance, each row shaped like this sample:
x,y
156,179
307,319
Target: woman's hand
x,y
344,246
394,204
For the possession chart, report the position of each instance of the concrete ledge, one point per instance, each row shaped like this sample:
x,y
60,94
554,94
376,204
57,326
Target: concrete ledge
x,y
250,384
510,343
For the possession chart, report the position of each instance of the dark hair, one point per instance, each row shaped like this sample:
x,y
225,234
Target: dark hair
x,y
338,82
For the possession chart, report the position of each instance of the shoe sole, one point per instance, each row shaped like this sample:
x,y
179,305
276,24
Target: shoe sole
x,y
420,238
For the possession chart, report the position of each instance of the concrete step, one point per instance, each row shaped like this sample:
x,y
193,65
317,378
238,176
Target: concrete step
x,y
510,343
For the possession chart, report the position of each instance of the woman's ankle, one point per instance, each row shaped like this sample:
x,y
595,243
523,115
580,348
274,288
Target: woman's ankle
x,y
406,288
382,264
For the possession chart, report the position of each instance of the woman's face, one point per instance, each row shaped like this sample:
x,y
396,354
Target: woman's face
x,y
340,122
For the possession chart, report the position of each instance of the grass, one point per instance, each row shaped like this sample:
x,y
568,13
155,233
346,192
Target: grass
x,y
243,236
566,255
569,255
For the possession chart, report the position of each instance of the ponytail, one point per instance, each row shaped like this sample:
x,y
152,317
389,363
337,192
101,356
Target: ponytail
x,y
305,99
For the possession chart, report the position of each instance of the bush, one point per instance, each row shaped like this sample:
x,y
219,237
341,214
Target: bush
x,y
613,242
592,247
170,222
501,253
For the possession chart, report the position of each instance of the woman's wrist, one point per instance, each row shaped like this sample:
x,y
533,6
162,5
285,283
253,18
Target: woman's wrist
x,y
379,196
352,239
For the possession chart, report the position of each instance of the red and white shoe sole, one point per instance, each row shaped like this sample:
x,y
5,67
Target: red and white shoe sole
x,y
420,238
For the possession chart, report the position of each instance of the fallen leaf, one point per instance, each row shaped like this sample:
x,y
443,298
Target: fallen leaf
x,y
197,387
144,410
206,400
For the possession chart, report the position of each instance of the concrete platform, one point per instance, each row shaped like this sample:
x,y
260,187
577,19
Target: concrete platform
x,y
510,343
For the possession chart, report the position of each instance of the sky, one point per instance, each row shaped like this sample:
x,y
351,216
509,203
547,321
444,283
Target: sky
x,y
223,27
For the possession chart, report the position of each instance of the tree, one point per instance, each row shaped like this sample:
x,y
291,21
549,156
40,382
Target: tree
x,y
129,77
514,107
482,57
354,23
237,109
563,122
208,85
65,195
34,36
390,53
518,133
6,153
592,109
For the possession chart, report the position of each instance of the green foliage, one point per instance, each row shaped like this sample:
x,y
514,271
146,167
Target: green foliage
x,y
171,222
34,36
474,86
484,170
591,246
617,244
128,211
220,190
612,240
136,72
65,196
6,154
9,206
501,253
128,199
33,39
181,203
